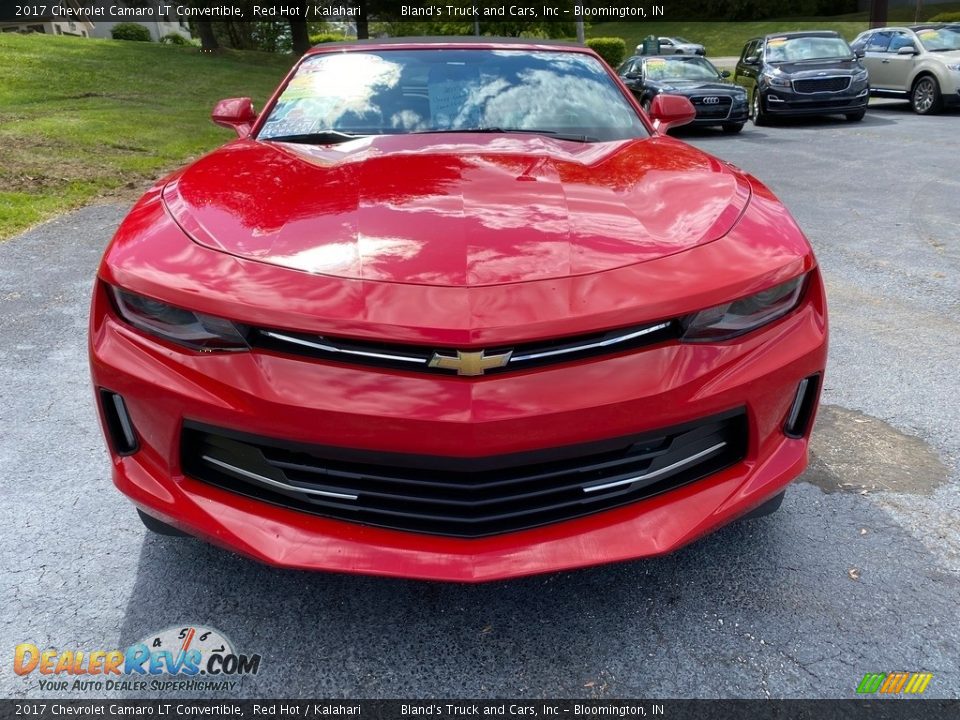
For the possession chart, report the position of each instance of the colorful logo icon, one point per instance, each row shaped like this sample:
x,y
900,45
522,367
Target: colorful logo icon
x,y
894,683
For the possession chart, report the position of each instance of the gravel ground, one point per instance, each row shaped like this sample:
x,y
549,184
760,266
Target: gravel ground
x,y
859,571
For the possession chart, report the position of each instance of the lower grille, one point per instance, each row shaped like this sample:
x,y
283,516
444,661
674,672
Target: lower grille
x,y
815,85
463,497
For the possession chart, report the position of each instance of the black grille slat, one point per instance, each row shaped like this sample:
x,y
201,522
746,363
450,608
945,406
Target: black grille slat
x,y
451,496
815,85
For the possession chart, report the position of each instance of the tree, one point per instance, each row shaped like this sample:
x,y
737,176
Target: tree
x,y
208,40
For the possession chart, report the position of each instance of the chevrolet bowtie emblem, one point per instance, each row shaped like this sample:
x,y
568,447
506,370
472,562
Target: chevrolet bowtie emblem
x,y
470,363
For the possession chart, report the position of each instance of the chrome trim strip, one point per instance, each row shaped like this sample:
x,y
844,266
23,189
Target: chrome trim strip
x,y
334,349
590,346
655,473
797,403
275,483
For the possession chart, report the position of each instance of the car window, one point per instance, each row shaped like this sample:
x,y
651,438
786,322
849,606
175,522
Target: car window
x,y
809,47
898,41
878,42
939,39
750,49
666,41
681,67
429,90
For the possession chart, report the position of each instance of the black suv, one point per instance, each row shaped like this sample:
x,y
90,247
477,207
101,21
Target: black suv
x,y
802,73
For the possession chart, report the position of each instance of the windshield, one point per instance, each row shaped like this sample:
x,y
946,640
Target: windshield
x,y
680,68
339,95
939,40
806,48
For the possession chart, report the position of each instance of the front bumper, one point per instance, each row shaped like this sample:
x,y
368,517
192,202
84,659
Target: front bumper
x,y
784,101
305,401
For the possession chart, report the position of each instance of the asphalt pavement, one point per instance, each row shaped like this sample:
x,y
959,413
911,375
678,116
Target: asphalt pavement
x,y
858,572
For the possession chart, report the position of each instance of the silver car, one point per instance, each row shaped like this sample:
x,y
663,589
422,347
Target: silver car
x,y
677,46
920,63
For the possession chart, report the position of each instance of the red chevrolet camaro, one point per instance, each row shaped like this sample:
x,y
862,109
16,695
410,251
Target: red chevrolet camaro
x,y
456,310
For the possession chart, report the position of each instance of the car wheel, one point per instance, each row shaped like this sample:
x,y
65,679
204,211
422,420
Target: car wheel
x,y
926,98
757,113
768,508
679,52
732,128
856,116
160,528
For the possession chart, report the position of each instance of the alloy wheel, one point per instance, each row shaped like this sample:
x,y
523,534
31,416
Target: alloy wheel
x,y
924,95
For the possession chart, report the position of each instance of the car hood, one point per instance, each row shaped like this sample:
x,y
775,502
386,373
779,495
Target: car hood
x,y
462,210
691,87
813,68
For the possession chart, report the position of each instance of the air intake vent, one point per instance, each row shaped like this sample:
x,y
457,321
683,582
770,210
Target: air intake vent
x,y
801,410
120,432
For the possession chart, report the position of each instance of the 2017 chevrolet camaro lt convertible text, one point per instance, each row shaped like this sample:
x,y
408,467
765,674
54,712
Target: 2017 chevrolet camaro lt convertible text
x,y
456,310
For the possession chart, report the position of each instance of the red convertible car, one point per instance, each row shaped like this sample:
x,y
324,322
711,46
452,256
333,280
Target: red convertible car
x,y
456,310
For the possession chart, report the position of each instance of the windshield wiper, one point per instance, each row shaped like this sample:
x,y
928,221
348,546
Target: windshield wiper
x,y
322,137
499,130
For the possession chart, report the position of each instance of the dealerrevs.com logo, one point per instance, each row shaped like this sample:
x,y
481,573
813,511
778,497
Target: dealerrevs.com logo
x,y
178,658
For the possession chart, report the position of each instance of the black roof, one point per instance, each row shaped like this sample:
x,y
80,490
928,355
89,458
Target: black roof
x,y
798,33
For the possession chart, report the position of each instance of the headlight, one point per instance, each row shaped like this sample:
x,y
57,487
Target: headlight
x,y
776,80
955,67
862,75
741,316
184,327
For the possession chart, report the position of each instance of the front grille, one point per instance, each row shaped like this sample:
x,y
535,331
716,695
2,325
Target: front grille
x,y
711,110
828,84
463,497
446,361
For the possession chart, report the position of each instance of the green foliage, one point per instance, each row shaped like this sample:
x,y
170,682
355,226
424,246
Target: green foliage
x,y
611,49
320,38
78,121
946,17
130,31
174,39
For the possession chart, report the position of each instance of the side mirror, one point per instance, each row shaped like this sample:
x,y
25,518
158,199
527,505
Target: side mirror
x,y
724,73
669,111
860,53
633,76
236,113
907,50
752,60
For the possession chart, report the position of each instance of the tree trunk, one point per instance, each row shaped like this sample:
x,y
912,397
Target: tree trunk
x,y
363,25
300,36
208,41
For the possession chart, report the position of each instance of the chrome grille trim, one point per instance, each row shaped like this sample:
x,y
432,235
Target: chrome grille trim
x,y
522,355
591,346
276,483
656,473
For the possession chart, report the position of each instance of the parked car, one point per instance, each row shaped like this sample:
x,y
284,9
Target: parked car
x,y
676,46
920,62
716,101
456,310
802,73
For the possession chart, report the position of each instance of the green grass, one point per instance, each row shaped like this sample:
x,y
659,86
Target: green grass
x,y
728,38
83,118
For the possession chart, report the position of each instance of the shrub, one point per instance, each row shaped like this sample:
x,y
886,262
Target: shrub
x,y
130,31
325,38
946,17
611,49
174,39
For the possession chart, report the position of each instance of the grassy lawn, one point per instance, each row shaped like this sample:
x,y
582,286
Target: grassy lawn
x,y
723,38
83,118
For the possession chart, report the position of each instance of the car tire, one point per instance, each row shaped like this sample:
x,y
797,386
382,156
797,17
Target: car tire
x,y
757,113
768,508
160,528
732,128
856,116
925,97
